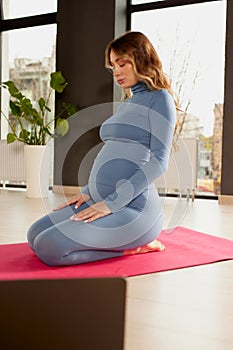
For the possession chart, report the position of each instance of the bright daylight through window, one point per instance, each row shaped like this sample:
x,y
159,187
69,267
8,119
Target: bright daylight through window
x,y
25,8
28,54
192,50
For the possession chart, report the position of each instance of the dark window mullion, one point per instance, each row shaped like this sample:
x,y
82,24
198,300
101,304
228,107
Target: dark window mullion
x,y
128,14
163,4
25,22
1,12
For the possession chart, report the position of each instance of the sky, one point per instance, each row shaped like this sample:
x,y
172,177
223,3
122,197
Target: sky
x,y
195,30
23,8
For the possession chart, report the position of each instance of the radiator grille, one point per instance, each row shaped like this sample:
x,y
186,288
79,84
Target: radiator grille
x,y
12,161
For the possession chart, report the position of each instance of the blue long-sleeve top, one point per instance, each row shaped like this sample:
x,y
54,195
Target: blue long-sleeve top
x,y
137,143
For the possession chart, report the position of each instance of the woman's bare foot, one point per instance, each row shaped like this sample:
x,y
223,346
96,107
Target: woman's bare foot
x,y
154,246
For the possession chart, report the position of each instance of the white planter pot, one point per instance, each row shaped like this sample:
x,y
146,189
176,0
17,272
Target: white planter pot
x,y
37,167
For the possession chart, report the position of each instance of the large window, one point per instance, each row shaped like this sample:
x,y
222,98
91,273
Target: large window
x,y
28,45
192,50
28,53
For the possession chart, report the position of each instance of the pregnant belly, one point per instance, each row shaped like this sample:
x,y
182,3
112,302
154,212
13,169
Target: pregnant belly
x,y
116,162
108,176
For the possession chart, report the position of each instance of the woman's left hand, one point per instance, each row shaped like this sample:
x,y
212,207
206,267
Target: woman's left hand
x,y
95,211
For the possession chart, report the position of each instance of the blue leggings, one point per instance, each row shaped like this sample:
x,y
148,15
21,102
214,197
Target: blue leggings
x,y
58,241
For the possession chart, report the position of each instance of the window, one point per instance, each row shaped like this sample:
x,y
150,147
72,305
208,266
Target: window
x,y
193,53
28,53
26,8
28,50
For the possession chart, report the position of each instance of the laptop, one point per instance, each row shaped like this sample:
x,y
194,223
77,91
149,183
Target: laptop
x,y
67,314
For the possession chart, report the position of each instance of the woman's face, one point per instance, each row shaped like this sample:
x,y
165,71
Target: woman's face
x,y
122,71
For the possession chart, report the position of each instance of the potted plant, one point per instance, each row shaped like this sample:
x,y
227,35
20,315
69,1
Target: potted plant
x,y
32,124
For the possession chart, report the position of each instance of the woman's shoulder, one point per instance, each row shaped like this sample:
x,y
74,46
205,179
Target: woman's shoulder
x,y
160,101
163,102
161,95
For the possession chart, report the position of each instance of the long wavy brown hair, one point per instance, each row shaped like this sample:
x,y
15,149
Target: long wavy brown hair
x,y
136,48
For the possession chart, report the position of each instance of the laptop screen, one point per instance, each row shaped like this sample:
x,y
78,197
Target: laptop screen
x,y
63,314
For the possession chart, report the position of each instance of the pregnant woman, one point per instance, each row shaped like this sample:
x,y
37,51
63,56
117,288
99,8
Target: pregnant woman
x,y
119,211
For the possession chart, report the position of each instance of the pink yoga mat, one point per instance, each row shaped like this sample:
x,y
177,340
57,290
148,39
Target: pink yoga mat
x,y
184,248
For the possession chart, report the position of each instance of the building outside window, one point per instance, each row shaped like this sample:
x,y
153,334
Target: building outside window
x,y
192,50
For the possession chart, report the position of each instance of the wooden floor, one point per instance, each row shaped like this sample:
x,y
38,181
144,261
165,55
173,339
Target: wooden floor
x,y
186,309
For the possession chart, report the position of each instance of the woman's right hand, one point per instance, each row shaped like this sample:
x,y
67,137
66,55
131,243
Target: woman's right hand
x,y
78,200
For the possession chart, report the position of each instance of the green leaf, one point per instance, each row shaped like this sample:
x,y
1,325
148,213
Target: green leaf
x,y
62,126
41,103
28,112
69,108
26,106
24,134
57,82
11,137
15,110
39,121
14,92
29,118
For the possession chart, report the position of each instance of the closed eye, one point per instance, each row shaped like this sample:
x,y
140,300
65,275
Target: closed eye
x,y
112,68
119,63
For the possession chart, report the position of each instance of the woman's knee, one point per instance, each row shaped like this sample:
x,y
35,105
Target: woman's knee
x,y
36,228
48,248
55,250
33,231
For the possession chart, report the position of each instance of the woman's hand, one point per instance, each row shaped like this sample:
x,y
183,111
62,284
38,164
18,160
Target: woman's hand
x,y
95,211
79,199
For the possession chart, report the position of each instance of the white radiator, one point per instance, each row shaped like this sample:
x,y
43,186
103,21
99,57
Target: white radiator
x,y
182,170
12,161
